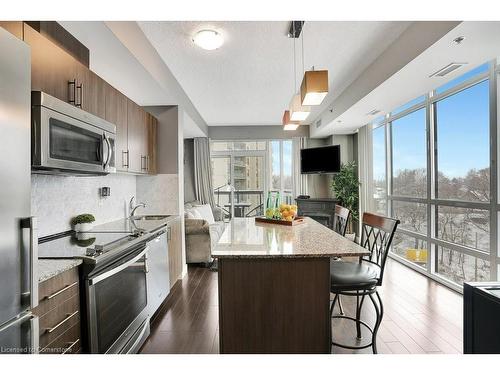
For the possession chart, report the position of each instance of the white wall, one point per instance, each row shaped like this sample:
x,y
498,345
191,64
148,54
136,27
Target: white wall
x,y
56,199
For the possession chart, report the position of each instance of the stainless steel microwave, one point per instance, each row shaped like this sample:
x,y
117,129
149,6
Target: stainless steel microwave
x,y
67,140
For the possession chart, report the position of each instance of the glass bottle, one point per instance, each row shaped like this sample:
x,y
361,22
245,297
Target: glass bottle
x,y
277,213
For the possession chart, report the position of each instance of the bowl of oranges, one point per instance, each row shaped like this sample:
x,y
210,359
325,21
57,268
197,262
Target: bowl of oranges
x,y
287,212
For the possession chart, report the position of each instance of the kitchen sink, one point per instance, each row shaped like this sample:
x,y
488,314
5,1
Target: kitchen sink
x,y
149,217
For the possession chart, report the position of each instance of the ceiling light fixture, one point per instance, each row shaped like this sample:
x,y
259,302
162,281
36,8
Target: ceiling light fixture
x,y
314,87
298,112
288,124
208,39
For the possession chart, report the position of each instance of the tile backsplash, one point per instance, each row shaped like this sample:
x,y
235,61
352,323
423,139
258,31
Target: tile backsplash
x,y
160,193
56,199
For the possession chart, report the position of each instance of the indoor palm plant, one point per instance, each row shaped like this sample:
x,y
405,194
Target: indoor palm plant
x,y
345,186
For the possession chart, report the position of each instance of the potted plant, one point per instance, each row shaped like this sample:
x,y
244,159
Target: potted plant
x,y
83,222
345,186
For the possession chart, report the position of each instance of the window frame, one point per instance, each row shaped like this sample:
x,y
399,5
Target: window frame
x,y
431,200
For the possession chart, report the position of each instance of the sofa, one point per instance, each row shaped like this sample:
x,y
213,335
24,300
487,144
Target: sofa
x,y
202,231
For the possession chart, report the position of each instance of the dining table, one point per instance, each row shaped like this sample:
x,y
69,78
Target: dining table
x,y
274,285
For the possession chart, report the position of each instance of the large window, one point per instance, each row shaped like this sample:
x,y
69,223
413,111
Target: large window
x,y
463,140
440,185
409,159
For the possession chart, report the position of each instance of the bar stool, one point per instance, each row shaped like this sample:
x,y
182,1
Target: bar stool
x,y
340,221
362,279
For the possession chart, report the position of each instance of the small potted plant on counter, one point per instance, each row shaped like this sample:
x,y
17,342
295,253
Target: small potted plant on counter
x,y
83,222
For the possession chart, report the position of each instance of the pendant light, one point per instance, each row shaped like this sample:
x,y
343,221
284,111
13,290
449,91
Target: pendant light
x,y
288,124
298,112
314,87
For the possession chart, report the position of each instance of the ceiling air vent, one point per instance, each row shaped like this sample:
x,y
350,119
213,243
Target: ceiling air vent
x,y
374,112
318,124
447,69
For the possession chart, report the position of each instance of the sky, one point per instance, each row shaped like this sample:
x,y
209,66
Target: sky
x,y
287,157
462,122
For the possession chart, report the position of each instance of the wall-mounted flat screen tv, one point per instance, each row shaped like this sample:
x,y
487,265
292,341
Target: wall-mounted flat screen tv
x,y
320,160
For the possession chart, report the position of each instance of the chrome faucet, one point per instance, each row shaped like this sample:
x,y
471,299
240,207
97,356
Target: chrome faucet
x,y
134,208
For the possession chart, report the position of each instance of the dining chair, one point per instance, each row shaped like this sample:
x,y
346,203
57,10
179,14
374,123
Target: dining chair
x,y
341,219
340,222
361,279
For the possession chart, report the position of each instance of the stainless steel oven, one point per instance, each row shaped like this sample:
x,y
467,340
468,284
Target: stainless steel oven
x,y
68,140
117,300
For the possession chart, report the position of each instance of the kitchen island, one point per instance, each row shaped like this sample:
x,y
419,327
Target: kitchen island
x,y
274,286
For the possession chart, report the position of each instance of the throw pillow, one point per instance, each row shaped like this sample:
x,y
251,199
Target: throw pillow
x,y
206,213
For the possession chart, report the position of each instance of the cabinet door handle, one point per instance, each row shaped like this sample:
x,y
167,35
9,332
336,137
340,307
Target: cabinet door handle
x,y
143,165
68,317
80,103
55,294
123,163
70,84
71,344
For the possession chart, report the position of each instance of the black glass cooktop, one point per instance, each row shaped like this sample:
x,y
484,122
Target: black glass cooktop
x,y
72,244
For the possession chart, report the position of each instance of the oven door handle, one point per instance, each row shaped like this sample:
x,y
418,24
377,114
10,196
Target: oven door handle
x,y
115,270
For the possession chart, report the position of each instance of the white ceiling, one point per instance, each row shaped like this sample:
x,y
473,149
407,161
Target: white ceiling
x,y
481,44
249,80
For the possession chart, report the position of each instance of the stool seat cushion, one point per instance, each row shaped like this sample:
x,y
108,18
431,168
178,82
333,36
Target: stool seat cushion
x,y
350,276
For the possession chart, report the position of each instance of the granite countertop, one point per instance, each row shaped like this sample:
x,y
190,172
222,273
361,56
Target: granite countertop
x,y
244,238
48,268
127,225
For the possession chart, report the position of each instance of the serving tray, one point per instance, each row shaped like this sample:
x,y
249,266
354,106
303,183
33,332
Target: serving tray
x,y
262,219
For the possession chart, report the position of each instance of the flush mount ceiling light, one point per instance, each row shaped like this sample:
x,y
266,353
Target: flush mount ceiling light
x,y
208,39
288,124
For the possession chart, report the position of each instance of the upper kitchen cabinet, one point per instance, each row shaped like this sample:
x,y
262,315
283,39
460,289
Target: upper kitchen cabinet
x,y
116,113
56,72
52,69
152,144
13,27
90,91
137,138
141,139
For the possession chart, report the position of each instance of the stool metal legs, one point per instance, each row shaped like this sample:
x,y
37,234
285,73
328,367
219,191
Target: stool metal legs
x,y
360,298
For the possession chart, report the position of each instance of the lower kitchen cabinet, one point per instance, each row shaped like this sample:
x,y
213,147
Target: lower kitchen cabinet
x,y
59,314
175,250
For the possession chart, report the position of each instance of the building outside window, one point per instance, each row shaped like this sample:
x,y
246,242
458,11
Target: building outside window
x,y
436,152
243,172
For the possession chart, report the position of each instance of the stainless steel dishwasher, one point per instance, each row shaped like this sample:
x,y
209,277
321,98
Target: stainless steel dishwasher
x,y
158,282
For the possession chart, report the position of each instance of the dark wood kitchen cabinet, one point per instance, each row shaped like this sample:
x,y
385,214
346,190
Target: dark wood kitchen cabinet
x,y
59,314
175,249
152,144
60,74
91,95
116,113
136,135
13,27
51,67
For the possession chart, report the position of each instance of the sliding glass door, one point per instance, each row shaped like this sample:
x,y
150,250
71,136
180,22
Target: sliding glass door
x,y
245,171
239,178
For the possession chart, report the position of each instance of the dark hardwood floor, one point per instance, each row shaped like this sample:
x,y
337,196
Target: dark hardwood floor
x,y
421,316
